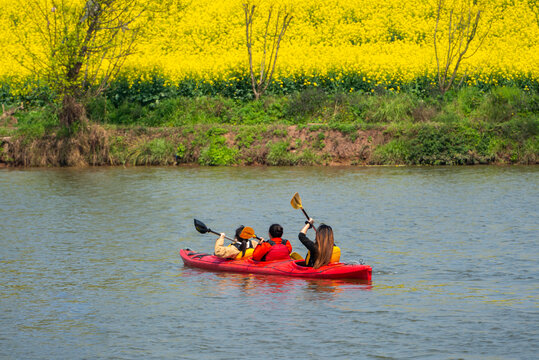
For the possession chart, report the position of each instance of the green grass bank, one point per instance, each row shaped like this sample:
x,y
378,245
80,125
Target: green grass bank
x,y
310,127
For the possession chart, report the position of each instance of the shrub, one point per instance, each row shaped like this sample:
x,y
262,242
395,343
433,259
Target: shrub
x,y
163,112
146,89
319,142
36,123
306,103
344,128
359,106
308,157
469,99
393,108
253,112
127,114
502,103
119,150
278,154
155,152
396,151
447,145
217,153
181,151
530,152
447,117
424,112
247,135
276,107
434,146
521,128
98,109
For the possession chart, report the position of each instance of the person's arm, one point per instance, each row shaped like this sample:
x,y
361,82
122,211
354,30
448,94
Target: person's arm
x,y
256,242
307,226
225,252
304,239
307,243
261,250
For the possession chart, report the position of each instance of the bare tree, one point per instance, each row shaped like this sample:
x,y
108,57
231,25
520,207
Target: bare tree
x,y
271,38
462,29
81,46
534,7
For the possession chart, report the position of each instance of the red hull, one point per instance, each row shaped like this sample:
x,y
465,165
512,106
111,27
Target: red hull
x,y
277,267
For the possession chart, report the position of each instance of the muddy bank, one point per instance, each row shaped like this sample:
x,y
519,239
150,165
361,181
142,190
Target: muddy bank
x,y
200,144
283,145
305,128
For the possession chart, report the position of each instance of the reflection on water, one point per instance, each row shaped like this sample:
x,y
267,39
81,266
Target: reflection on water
x,y
256,285
90,267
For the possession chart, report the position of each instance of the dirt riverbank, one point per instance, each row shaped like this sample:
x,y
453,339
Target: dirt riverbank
x,y
285,145
203,144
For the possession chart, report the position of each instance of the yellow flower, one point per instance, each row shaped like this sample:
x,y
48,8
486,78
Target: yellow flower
x,y
386,42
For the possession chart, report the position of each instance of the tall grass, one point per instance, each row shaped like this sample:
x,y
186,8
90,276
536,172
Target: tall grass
x,y
469,126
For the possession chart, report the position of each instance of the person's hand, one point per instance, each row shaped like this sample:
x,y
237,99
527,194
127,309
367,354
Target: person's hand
x,y
310,222
262,240
222,236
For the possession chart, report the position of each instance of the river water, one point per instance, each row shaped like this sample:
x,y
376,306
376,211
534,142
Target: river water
x,y
89,264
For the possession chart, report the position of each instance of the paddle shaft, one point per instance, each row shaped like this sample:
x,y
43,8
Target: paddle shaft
x,y
307,216
216,233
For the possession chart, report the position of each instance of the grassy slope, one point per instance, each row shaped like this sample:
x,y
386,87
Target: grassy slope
x,y
311,127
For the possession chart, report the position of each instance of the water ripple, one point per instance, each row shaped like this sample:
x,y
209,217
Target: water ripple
x,y
90,266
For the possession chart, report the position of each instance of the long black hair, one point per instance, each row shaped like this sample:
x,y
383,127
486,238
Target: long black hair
x,y
244,242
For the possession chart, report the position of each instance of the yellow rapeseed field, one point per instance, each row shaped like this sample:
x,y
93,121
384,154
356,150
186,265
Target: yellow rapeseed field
x,y
385,41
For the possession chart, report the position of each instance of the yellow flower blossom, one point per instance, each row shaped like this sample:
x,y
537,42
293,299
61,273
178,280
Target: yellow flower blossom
x,y
386,42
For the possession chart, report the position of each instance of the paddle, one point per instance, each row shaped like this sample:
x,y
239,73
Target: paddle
x,y
296,204
246,233
203,229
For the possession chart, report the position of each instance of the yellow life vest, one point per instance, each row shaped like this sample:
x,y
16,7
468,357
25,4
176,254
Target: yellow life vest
x,y
248,253
335,255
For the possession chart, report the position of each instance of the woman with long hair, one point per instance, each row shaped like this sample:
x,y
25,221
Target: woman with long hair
x,y
323,250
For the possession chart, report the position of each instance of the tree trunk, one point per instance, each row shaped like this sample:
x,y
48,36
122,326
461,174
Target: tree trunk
x,y
72,111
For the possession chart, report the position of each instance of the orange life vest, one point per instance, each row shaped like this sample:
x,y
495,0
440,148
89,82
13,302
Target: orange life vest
x,y
278,251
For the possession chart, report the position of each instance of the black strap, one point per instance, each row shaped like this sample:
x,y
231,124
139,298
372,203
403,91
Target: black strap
x,y
283,241
237,245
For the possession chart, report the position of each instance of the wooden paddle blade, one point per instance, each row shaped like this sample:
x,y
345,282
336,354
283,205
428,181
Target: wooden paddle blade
x,y
296,201
201,227
247,233
294,255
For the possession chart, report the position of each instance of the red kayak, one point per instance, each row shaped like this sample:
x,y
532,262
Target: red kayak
x,y
277,267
